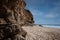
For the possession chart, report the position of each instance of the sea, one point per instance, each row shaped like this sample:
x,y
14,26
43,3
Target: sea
x,y
51,25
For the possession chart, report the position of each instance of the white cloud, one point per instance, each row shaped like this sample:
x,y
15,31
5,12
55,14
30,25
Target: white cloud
x,y
51,15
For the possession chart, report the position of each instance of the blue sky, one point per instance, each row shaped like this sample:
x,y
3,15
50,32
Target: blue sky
x,y
44,11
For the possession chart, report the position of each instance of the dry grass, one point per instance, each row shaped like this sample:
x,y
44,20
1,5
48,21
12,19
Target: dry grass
x,y
42,33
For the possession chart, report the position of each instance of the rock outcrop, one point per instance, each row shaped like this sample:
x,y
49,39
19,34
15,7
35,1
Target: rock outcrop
x,y
11,7
12,17
27,18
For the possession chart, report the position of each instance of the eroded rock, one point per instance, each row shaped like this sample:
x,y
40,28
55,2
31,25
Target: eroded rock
x,y
12,17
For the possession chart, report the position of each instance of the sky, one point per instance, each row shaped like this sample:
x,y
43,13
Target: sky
x,y
44,11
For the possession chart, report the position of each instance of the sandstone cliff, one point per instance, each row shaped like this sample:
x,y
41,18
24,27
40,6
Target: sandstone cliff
x,y
27,18
9,13
12,17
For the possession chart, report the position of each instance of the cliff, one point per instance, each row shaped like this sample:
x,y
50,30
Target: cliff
x,y
26,18
11,9
12,17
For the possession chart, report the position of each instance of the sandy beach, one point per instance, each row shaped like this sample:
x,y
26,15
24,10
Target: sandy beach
x,y
42,33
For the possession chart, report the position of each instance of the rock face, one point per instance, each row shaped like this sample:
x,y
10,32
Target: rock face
x,y
10,7
27,18
12,17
